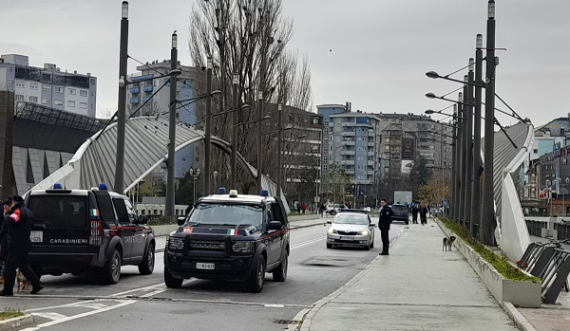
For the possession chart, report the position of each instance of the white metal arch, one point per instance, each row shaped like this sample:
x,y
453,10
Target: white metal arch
x,y
146,148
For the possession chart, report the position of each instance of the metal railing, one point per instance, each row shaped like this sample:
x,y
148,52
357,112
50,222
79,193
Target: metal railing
x,y
563,230
535,227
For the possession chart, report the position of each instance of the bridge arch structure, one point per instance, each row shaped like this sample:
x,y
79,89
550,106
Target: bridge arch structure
x,y
146,149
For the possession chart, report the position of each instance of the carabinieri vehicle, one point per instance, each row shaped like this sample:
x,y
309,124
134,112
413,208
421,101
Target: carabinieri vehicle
x,y
81,231
230,237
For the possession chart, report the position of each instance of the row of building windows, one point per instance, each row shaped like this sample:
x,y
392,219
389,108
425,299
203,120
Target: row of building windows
x,y
58,102
57,89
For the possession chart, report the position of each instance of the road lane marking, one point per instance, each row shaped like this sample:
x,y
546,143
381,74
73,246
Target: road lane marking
x,y
274,306
50,316
86,304
306,243
78,316
148,295
142,289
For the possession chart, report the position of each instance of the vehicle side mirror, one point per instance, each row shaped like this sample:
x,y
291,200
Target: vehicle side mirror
x,y
275,225
143,219
329,222
181,220
372,225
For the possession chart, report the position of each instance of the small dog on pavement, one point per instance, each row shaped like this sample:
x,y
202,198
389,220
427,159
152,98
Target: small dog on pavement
x,y
22,282
448,243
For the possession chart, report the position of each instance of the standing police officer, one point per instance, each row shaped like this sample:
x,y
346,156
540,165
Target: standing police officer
x,y
384,225
17,227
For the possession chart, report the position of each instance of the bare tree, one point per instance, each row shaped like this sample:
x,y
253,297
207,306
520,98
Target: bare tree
x,y
249,38
149,109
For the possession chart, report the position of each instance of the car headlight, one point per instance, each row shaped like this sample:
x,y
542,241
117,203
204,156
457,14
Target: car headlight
x,y
363,233
331,230
176,244
243,247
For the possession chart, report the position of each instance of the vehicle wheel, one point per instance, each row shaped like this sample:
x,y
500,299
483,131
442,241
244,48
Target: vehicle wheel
x,y
170,281
112,269
372,244
329,246
407,222
146,267
280,274
332,213
256,280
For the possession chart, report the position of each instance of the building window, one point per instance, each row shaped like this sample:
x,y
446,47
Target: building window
x,y
46,101
72,91
71,103
20,84
83,105
33,86
84,93
19,97
46,88
58,102
33,99
58,89
92,81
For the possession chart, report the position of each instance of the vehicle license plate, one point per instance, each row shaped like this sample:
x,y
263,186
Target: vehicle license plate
x,y
37,236
205,266
346,238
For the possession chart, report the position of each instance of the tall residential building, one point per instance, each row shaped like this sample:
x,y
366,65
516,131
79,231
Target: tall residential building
x,y
140,92
326,111
48,86
354,144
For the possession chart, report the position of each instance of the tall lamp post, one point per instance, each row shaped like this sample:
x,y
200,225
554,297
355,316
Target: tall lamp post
x,y
122,107
215,174
170,187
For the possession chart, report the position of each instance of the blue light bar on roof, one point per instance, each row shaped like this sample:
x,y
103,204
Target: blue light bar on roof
x,y
57,186
103,187
264,193
222,190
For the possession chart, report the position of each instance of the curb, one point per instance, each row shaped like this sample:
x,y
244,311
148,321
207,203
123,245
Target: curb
x,y
16,323
304,319
514,314
520,321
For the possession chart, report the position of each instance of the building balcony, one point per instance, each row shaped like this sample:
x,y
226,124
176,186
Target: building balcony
x,y
371,153
347,152
371,163
347,162
371,143
349,172
148,88
348,133
135,90
135,100
371,133
347,143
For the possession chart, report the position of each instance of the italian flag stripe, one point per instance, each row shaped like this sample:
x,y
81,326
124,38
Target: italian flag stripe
x,y
232,232
94,212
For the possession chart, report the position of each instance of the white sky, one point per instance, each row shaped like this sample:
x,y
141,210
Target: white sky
x,y
381,49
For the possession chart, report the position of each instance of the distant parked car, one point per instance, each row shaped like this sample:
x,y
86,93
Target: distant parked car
x,y
334,208
400,213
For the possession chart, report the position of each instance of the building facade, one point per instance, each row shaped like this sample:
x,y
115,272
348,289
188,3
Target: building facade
x,y
48,86
156,101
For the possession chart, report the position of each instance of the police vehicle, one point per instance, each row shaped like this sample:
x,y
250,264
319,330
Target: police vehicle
x,y
230,237
79,231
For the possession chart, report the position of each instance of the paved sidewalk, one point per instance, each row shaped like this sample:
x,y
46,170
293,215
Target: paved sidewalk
x,y
417,287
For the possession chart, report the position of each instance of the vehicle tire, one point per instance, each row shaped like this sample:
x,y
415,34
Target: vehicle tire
x,y
332,213
256,280
170,281
112,269
329,246
146,267
280,274
407,222
372,243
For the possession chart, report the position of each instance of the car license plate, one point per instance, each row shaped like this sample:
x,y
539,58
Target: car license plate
x,y
346,238
37,236
205,266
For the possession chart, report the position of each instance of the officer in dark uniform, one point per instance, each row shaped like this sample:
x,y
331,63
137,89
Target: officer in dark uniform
x,y
16,228
384,225
6,205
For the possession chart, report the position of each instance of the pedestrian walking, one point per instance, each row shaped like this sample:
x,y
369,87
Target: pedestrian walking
x,y
384,225
304,208
322,210
415,211
7,204
16,228
423,214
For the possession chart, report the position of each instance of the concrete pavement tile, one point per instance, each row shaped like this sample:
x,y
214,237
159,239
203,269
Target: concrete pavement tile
x,y
345,317
544,319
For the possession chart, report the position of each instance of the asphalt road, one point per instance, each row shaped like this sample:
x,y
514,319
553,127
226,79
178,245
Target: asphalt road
x,y
144,303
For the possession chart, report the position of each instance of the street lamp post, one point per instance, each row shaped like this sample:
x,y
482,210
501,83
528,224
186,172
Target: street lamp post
x,y
469,146
353,196
461,157
122,107
279,151
454,178
477,169
208,129
195,174
488,215
215,174
234,133
170,188
259,136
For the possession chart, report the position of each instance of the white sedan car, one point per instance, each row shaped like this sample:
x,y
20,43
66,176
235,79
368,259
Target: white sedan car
x,y
351,229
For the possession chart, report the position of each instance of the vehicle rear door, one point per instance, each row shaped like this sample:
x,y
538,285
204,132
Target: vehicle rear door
x,y
125,230
139,240
282,236
61,222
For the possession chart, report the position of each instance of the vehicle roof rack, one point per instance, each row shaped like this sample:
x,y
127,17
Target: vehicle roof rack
x,y
347,210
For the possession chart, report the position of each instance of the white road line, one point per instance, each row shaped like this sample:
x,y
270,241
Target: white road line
x,y
148,295
86,304
78,316
50,316
146,288
274,306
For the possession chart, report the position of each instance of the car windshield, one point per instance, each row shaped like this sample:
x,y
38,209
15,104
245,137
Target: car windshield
x,y
399,207
235,214
63,211
346,218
